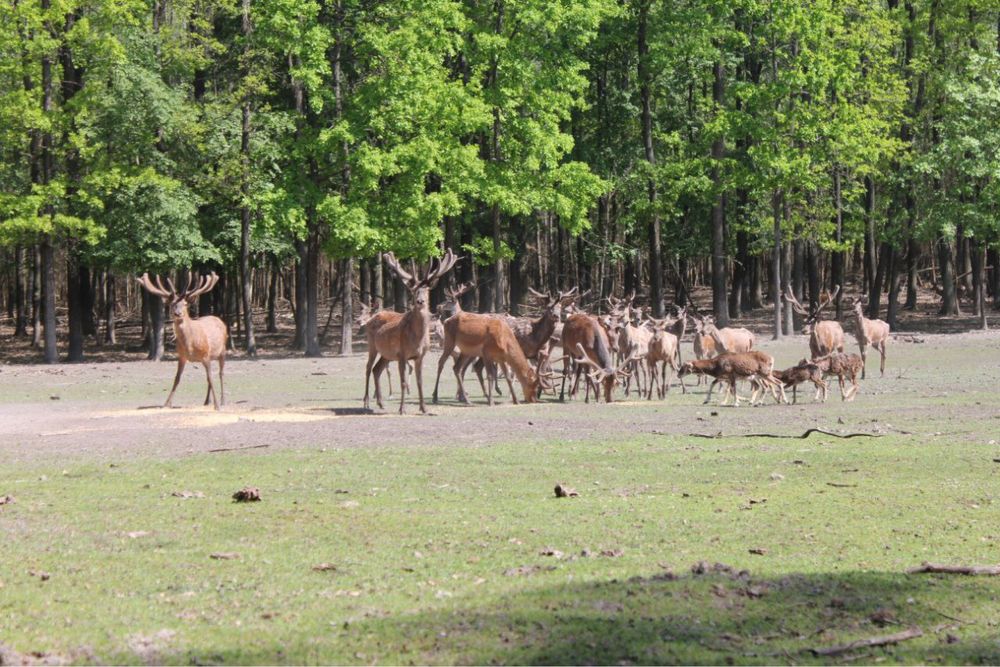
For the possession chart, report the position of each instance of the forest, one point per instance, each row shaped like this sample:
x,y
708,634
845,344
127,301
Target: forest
x,y
749,147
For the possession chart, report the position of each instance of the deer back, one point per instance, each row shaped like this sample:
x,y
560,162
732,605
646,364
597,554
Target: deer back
x,y
587,332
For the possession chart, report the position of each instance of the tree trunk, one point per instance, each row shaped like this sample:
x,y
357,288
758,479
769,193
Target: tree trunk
x,y
110,336
776,299
720,305
302,260
74,289
155,307
312,290
892,309
20,306
272,298
49,302
871,262
347,307
246,275
949,299
837,263
655,253
498,287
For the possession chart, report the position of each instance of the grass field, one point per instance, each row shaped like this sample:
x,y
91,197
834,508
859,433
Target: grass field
x,y
441,541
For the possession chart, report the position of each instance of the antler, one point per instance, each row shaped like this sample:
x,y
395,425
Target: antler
x,y
403,274
538,295
796,306
155,289
444,265
205,284
827,301
458,291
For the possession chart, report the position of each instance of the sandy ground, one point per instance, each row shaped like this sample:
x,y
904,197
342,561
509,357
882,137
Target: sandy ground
x,y
942,387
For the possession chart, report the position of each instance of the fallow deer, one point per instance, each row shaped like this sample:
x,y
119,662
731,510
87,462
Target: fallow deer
x,y
729,367
845,367
201,340
869,332
825,336
804,371
402,337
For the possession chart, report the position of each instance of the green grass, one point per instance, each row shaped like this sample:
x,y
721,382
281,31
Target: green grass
x,y
424,536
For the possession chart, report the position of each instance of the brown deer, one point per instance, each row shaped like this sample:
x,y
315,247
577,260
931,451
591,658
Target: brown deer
x,y
458,347
804,371
201,340
869,332
845,367
586,343
825,336
728,339
665,350
402,337
633,343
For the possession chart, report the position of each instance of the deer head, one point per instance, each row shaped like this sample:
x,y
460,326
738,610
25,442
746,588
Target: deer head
x,y
452,305
420,288
178,302
553,303
810,314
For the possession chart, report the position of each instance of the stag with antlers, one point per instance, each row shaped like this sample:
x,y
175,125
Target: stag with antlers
x,y
404,337
869,332
201,340
586,344
825,336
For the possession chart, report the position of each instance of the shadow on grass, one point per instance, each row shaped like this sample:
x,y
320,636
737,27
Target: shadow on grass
x,y
716,617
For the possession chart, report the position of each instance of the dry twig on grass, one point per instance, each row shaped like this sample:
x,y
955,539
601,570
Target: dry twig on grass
x,y
796,437
885,640
972,570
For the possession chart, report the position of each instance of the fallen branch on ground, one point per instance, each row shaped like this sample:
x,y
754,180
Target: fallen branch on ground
x,y
796,437
911,633
235,449
973,570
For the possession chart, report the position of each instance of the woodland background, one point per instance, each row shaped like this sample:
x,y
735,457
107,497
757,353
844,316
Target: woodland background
x,y
616,145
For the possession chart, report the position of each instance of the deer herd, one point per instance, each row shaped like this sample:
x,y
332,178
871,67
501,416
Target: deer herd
x,y
624,346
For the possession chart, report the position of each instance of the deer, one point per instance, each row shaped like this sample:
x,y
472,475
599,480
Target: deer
x,y
201,340
804,371
664,349
633,343
460,348
585,343
869,332
844,366
729,367
825,336
402,337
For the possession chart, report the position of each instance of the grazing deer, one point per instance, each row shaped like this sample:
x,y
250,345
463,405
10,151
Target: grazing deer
x,y
201,340
664,349
729,367
844,366
804,371
869,332
586,343
402,337
825,336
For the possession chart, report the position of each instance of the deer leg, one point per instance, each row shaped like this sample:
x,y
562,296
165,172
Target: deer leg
x,y
382,364
403,385
506,375
445,354
418,370
211,387
711,387
368,373
881,351
177,379
491,371
840,379
649,389
222,385
864,358
478,367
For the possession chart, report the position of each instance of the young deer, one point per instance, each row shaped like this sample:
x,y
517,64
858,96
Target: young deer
x,y
201,340
633,344
870,332
844,366
729,367
402,337
825,336
805,371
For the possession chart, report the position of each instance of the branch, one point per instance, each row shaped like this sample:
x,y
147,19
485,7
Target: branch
x,y
796,437
989,570
911,633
